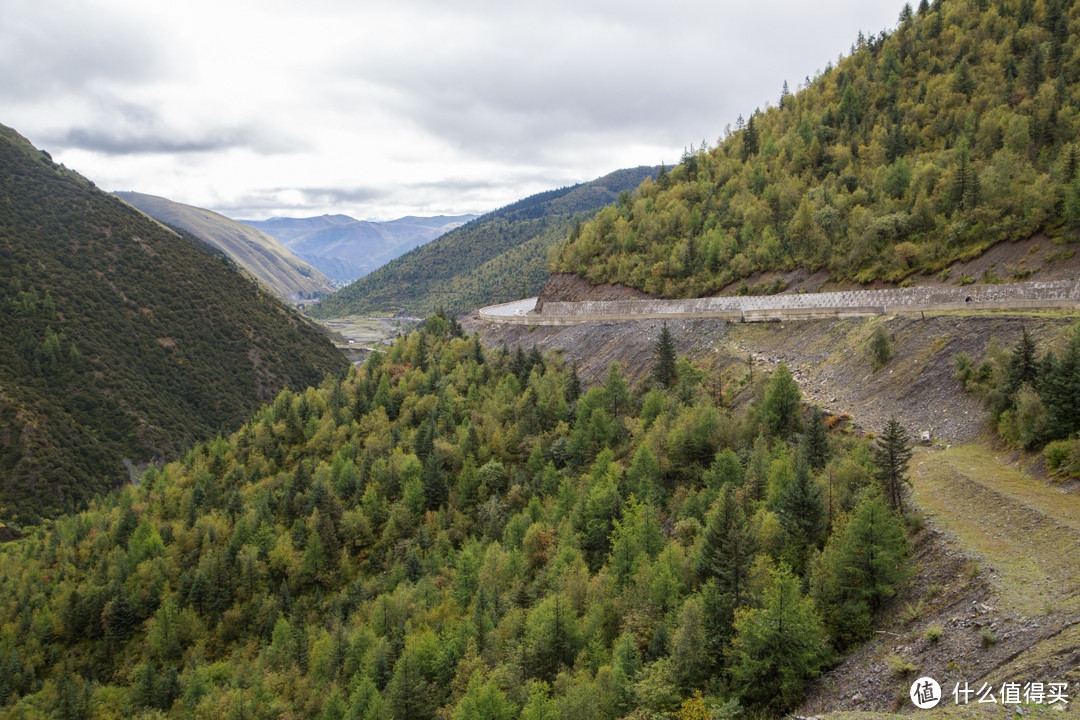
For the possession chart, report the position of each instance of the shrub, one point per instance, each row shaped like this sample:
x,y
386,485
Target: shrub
x,y
1063,457
900,666
880,347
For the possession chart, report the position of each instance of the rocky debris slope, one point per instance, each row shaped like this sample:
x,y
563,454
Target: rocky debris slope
x,y
830,359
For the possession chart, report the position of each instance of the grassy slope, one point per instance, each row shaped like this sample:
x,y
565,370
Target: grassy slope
x,y
121,339
499,256
953,133
261,255
1019,536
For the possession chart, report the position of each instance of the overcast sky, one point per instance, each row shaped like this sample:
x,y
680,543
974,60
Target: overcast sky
x,y
378,110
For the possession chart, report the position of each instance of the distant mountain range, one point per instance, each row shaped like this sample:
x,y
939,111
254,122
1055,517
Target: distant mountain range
x,y
121,338
499,256
344,248
263,256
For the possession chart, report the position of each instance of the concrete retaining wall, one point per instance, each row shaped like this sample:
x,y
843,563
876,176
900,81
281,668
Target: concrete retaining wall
x,y
764,308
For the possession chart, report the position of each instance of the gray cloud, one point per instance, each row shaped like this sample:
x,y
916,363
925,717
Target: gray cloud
x,y
48,48
124,128
342,196
411,107
506,83
111,143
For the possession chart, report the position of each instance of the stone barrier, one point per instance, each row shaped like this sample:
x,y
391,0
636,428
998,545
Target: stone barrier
x,y
1049,295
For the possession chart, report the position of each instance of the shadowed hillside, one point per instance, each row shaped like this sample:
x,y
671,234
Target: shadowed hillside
x,y
122,339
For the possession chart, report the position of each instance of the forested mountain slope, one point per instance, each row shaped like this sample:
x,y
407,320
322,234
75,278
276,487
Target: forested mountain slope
x,y
499,256
956,131
258,253
121,339
454,532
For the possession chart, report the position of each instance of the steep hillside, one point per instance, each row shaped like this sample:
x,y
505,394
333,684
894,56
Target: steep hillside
x,y
345,249
121,338
258,253
954,132
499,256
451,532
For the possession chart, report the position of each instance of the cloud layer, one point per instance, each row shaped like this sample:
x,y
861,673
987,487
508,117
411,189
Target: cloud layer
x,y
379,110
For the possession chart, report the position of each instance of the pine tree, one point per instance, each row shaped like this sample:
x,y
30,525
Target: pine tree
x,y
572,388
891,452
727,551
1023,365
777,647
1059,389
664,359
780,409
802,514
815,442
860,568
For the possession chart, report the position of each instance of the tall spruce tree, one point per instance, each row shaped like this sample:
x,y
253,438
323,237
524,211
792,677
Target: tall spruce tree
x,y
891,452
1023,364
1059,389
802,515
815,441
727,551
664,362
859,569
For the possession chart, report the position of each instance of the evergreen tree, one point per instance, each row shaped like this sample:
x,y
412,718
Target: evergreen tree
x,y
572,387
536,360
1059,389
777,647
435,486
802,515
727,551
617,392
1023,365
552,638
664,367
750,138
118,619
860,568
891,452
880,346
725,469
477,350
815,441
780,409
